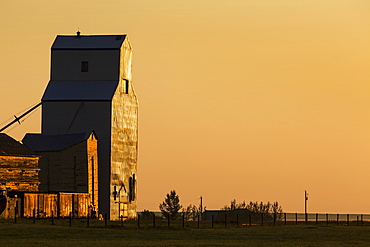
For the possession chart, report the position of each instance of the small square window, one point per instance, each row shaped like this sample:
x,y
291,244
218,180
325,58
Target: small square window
x,y
84,66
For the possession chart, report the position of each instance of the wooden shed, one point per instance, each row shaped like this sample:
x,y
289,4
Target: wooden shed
x,y
19,168
69,163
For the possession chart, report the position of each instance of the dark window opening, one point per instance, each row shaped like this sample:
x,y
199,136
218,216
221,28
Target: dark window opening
x,y
127,86
132,189
84,66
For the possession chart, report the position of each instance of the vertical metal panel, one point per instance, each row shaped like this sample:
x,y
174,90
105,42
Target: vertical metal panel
x,y
124,149
124,139
65,204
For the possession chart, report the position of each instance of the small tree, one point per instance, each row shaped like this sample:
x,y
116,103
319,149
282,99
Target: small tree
x,y
256,209
171,205
147,215
191,212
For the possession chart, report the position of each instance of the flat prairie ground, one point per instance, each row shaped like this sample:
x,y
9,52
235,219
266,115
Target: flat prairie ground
x,y
42,233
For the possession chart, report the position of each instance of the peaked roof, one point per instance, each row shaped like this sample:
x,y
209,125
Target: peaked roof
x,y
42,142
88,42
80,90
10,147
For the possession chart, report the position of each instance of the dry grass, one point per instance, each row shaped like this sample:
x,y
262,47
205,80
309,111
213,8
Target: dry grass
x,y
25,233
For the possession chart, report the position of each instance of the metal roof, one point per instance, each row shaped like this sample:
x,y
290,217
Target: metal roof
x,y
42,142
10,147
88,42
80,90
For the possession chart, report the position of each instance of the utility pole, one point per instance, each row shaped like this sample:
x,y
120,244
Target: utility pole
x,y
201,204
305,204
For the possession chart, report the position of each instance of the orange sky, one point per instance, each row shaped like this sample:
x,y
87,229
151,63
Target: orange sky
x,y
245,99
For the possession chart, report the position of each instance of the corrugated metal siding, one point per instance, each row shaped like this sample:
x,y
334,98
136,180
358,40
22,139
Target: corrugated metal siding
x,y
124,143
44,205
75,203
58,205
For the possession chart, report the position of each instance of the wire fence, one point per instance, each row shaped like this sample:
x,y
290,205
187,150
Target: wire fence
x,y
221,220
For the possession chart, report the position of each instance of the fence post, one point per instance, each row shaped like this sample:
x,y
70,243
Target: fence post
x,y
274,219
237,220
52,217
212,220
121,220
34,216
168,221
306,218
362,219
262,219
105,220
15,214
88,219
337,219
347,219
317,218
358,220
154,220
327,219
296,218
138,221
198,220
183,221
225,219
284,218
70,218
250,219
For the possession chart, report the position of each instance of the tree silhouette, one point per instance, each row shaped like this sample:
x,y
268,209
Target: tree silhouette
x,y
171,205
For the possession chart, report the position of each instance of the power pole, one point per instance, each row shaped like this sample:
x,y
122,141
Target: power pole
x,y
201,204
305,204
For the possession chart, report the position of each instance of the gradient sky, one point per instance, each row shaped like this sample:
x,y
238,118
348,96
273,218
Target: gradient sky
x,y
256,100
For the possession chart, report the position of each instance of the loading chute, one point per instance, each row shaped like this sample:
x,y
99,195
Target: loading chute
x,y
17,119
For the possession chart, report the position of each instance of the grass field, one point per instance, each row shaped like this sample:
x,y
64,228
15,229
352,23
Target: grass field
x,y
25,233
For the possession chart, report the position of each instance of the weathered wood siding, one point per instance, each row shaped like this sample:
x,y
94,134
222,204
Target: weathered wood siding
x,y
93,171
46,205
19,173
75,203
74,169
